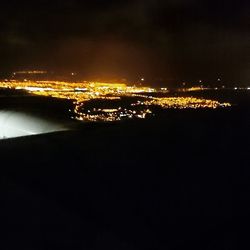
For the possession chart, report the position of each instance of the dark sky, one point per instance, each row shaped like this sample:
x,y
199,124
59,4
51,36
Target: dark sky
x,y
170,39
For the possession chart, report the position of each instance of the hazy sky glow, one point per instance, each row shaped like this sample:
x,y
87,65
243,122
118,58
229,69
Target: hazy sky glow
x,y
170,39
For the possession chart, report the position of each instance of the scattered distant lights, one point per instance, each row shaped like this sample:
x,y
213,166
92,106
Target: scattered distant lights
x,y
34,72
142,104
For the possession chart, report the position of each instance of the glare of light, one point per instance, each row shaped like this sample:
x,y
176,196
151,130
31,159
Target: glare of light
x,y
81,89
18,124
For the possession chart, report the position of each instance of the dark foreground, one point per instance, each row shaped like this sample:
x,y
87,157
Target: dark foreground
x,y
178,182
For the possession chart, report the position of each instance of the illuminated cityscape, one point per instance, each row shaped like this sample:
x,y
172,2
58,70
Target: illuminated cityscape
x,y
124,125
140,100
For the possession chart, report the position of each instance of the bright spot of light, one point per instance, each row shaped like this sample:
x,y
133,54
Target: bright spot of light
x,y
18,124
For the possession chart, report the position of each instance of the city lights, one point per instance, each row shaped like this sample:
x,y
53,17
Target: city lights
x,y
140,104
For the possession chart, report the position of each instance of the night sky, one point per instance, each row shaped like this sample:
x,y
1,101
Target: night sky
x,y
173,40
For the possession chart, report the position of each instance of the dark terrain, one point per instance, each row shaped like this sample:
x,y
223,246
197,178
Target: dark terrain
x,y
180,180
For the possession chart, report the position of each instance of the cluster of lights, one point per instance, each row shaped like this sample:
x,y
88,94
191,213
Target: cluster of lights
x,y
192,89
112,115
34,72
183,103
82,92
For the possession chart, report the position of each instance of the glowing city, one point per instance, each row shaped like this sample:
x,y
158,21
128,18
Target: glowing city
x,y
140,100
